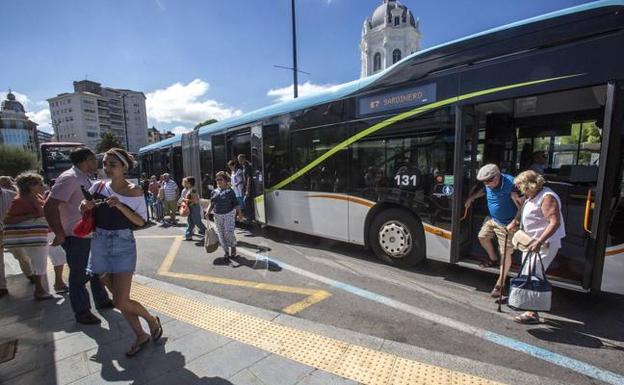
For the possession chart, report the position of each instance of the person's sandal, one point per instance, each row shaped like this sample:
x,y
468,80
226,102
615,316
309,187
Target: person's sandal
x,y
496,292
526,319
61,289
137,346
158,332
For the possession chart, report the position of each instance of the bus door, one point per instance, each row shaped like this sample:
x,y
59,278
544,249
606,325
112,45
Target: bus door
x,y
465,160
257,161
190,157
238,142
560,135
177,170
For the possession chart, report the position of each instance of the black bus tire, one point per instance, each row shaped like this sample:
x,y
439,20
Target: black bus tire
x,y
402,242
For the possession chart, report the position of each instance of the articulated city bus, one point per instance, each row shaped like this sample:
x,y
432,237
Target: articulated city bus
x,y
388,161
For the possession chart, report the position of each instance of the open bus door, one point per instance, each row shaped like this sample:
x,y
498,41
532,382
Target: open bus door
x,y
571,128
464,177
257,160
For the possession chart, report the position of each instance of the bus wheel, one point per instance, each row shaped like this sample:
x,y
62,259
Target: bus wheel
x,y
397,237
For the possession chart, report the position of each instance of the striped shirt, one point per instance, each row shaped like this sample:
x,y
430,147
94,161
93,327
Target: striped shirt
x,y
170,187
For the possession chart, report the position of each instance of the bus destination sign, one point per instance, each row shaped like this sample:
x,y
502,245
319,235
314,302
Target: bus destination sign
x,y
404,98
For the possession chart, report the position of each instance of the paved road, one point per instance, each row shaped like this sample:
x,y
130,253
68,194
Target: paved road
x,y
435,306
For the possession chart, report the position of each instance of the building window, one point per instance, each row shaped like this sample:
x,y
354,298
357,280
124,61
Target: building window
x,y
396,55
377,62
397,20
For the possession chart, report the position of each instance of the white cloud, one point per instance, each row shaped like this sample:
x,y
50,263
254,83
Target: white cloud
x,y
179,130
305,89
40,116
185,103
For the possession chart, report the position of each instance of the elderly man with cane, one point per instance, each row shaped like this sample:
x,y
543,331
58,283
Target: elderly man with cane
x,y
503,200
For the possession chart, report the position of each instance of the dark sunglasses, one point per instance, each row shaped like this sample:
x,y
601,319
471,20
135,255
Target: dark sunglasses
x,y
219,179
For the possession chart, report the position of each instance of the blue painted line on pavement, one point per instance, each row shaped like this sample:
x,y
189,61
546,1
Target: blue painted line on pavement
x,y
519,346
534,351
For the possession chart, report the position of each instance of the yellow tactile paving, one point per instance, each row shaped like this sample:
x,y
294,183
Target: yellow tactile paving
x,y
364,365
313,295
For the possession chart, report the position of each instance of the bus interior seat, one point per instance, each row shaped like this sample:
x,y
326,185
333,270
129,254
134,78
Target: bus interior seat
x,y
578,173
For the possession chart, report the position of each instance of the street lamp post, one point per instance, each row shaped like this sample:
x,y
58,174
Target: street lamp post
x,y
123,106
294,37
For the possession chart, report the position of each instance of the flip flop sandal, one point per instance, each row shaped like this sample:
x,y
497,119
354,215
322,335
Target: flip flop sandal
x,y
136,347
158,332
526,319
62,289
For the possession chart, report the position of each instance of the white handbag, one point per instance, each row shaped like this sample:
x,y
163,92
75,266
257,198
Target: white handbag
x,y
211,240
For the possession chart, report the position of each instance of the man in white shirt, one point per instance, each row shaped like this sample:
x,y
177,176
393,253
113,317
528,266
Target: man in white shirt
x,y
171,197
63,214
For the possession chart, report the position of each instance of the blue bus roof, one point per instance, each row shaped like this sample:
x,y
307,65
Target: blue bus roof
x,y
345,89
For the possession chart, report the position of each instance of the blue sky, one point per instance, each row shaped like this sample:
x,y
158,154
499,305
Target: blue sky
x,y
197,59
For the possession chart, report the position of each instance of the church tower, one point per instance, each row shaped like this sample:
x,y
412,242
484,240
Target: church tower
x,y
390,34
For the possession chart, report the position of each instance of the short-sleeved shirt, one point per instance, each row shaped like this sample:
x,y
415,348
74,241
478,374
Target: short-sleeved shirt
x,y
248,172
224,200
67,190
23,205
502,208
154,187
170,190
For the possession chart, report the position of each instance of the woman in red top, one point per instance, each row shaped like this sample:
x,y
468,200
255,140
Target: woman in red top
x,y
28,204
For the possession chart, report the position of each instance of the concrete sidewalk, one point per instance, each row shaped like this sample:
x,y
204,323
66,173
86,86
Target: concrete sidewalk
x,y
209,340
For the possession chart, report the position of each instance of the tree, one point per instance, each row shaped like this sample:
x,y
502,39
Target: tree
x,y
108,140
16,160
204,123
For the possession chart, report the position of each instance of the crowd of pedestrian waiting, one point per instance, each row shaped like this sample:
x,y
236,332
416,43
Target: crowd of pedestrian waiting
x,y
230,199
42,223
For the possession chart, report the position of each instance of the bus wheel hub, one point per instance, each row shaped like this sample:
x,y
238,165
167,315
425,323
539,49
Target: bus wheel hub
x,y
395,239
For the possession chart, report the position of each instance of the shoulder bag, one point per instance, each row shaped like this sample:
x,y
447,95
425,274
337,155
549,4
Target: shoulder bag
x,y
530,292
86,225
211,240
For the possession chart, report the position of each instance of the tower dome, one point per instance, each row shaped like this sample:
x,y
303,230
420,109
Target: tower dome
x,y
11,104
388,35
384,14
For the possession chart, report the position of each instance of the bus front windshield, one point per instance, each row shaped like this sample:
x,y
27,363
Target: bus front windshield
x,y
55,160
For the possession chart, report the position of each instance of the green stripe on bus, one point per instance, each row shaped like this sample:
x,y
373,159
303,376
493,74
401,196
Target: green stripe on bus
x,y
398,118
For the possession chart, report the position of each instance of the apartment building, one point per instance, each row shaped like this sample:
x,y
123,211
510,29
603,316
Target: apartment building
x,y
91,110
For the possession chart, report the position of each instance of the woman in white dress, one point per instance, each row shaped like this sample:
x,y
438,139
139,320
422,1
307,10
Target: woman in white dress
x,y
542,219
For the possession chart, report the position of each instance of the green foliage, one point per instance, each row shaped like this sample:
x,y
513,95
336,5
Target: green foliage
x,y
108,140
15,160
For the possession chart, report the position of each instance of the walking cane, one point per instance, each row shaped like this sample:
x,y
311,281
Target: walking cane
x,y
503,276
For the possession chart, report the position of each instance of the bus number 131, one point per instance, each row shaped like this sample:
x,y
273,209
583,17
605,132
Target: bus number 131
x,y
405,180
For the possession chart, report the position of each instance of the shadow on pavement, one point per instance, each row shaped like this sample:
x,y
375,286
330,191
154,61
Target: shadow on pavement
x,y
152,365
590,318
256,264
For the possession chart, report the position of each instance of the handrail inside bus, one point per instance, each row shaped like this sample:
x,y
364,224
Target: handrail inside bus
x,y
587,210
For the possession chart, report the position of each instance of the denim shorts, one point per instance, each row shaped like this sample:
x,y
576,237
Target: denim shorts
x,y
112,251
